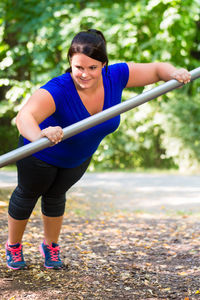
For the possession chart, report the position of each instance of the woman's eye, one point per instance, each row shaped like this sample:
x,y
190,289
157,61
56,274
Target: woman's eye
x,y
93,68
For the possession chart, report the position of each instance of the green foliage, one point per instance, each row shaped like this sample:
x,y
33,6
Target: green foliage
x,y
8,137
35,36
181,124
137,143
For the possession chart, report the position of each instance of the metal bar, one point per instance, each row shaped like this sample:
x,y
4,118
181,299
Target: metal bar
x,y
94,120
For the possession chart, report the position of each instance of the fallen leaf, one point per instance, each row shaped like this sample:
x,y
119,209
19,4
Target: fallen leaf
x,y
197,292
4,204
127,288
182,273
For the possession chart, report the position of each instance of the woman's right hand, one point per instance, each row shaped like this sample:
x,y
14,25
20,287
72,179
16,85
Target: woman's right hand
x,y
54,134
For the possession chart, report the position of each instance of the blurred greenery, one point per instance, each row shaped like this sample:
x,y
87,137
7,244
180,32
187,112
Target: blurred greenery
x,y
34,39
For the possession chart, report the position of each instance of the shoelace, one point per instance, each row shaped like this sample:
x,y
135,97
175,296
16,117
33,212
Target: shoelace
x,y
54,253
16,253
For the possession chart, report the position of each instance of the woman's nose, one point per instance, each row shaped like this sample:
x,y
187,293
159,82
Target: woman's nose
x,y
84,74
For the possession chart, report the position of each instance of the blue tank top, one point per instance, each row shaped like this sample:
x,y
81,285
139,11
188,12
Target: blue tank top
x,y
70,109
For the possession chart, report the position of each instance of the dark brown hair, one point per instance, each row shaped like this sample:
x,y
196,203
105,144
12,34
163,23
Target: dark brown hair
x,y
91,43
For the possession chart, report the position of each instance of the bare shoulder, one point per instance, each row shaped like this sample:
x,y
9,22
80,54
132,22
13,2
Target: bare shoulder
x,y
141,74
41,94
41,98
41,105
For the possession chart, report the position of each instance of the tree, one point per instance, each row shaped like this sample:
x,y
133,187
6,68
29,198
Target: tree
x,y
35,36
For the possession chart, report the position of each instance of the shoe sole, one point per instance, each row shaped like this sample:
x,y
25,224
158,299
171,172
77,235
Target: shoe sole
x,y
13,268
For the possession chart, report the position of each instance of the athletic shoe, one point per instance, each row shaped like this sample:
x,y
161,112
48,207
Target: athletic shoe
x,y
14,256
51,253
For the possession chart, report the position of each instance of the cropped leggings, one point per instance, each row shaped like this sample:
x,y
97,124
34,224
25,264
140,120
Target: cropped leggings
x,y
37,178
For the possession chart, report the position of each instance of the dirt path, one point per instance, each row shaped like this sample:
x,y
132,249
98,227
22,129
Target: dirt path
x,y
136,191
125,236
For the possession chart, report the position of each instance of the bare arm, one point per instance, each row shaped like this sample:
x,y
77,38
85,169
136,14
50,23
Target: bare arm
x,y
148,73
40,106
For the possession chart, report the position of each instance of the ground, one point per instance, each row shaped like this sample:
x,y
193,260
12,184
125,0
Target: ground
x,y
108,254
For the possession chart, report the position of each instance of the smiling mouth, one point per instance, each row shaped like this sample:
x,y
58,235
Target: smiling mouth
x,y
82,79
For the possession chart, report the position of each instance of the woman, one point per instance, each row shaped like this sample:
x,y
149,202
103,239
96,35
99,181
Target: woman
x,y
88,87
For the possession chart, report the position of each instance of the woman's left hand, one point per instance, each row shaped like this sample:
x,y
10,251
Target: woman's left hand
x,y
182,75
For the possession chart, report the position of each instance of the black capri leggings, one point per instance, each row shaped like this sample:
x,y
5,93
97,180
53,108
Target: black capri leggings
x,y
37,178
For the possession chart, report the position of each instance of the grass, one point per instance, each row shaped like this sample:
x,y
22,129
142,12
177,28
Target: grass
x,y
98,169
10,168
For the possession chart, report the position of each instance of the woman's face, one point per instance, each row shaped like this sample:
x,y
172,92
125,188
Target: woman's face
x,y
86,71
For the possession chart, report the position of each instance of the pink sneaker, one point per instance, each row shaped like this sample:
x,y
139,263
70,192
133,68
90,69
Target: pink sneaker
x,y
51,253
14,256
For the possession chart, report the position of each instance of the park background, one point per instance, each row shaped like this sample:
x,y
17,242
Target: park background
x,y
112,248
34,39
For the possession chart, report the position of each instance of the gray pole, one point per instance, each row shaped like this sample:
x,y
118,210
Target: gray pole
x,y
96,119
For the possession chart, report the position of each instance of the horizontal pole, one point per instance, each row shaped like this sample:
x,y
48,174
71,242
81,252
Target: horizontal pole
x,y
94,120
